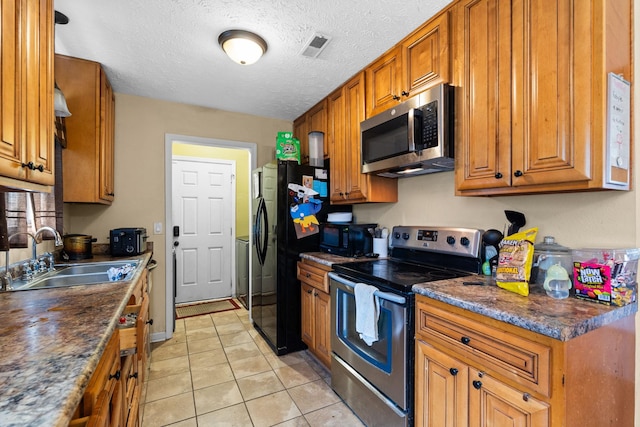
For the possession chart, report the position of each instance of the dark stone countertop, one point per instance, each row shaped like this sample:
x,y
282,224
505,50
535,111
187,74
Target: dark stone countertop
x,y
50,343
562,319
330,259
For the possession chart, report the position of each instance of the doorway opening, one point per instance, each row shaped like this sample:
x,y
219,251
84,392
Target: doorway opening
x,y
215,153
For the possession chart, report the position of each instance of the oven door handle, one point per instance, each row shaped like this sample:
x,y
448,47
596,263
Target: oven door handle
x,y
383,295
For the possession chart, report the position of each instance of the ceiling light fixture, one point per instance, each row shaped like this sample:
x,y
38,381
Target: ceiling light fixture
x,y
241,46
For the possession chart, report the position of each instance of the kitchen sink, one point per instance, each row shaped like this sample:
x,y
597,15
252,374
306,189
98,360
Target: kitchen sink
x,y
90,268
66,275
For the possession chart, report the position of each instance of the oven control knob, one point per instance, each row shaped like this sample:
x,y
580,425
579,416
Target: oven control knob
x,y
396,235
464,241
405,236
451,240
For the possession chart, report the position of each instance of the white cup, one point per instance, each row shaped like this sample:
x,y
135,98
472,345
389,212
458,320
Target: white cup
x,y
380,246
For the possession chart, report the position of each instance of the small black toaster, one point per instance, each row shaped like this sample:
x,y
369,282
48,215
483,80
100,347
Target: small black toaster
x,y
128,241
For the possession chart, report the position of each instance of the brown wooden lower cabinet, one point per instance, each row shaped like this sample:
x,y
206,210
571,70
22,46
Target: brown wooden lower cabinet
x,y
102,402
476,371
316,309
112,397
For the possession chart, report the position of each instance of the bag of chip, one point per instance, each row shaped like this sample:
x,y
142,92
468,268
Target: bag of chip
x,y
515,260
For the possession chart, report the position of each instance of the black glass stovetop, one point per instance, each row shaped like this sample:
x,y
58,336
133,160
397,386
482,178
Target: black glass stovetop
x,y
395,274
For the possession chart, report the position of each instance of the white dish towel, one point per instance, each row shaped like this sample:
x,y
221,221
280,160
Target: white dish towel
x,y
367,312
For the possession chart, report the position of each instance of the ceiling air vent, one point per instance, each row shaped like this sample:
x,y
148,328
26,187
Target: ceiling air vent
x,y
315,45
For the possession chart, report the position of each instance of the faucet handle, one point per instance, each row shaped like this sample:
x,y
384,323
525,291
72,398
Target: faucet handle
x,y
50,260
27,272
6,281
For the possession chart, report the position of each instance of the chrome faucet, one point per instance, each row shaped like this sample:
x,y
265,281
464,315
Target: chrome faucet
x,y
33,266
53,231
7,280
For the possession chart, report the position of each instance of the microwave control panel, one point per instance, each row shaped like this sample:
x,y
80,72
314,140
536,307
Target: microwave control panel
x,y
429,115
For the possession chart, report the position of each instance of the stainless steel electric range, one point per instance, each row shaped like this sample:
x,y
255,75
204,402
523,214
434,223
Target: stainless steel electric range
x,y
377,381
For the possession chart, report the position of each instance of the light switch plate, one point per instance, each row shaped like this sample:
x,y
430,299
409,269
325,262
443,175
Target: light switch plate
x,y
157,228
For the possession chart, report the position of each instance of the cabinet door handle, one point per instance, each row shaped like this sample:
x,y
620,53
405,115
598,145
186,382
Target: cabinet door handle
x,y
134,375
116,375
308,291
308,275
110,194
149,322
453,371
29,165
396,98
465,340
477,384
405,93
498,175
526,397
315,294
518,173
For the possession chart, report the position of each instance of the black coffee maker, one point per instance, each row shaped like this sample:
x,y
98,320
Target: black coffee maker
x,y
491,248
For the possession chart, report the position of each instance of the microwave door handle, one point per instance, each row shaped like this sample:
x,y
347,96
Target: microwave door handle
x,y
412,129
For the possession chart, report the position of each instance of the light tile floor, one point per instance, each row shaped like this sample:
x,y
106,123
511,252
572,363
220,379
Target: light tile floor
x,y
217,370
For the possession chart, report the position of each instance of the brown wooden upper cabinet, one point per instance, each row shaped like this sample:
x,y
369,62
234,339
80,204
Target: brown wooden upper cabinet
x,y
348,184
419,62
90,131
26,92
300,132
314,120
532,92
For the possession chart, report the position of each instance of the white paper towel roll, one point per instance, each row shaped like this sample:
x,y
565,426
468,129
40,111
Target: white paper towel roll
x,y
380,246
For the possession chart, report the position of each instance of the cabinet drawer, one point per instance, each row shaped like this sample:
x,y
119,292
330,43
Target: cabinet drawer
x,y
107,372
313,276
131,389
504,353
132,337
139,292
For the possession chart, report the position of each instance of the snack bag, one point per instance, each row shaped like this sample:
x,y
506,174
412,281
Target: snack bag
x,y
287,147
515,260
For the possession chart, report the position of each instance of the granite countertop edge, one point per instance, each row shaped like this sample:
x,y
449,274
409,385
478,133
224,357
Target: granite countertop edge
x,y
558,319
63,376
330,259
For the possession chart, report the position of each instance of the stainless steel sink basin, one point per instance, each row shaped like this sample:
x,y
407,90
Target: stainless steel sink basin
x,y
66,275
90,268
58,281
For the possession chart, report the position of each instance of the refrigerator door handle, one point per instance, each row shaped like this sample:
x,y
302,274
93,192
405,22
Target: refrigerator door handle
x,y
257,231
263,248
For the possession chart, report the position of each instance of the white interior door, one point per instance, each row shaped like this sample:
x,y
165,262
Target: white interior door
x,y
203,208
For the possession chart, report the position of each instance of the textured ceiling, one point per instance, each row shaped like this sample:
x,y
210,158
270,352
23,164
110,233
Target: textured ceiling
x,y
168,49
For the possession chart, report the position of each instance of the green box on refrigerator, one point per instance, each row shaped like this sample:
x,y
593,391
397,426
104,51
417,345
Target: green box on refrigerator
x,y
287,147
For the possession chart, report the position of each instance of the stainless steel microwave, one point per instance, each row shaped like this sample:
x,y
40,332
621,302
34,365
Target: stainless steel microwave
x,y
412,138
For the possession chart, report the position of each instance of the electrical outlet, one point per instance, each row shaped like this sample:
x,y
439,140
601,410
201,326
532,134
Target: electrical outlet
x,y
157,228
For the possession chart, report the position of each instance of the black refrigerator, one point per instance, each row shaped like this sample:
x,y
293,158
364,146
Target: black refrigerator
x,y
288,202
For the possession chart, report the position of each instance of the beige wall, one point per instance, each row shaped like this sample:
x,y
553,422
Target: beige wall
x,y
141,125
